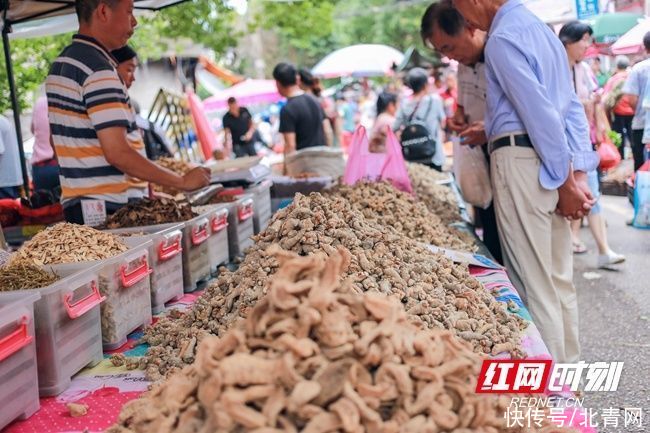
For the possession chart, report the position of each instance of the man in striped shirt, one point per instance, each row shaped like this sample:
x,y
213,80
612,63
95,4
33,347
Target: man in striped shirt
x,y
91,119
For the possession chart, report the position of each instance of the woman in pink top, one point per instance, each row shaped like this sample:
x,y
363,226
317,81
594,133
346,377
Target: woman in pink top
x,y
45,168
386,110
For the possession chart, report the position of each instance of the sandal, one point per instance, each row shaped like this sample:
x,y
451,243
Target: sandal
x,y
579,247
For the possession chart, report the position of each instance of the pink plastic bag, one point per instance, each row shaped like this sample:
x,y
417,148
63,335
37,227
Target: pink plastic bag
x,y
362,164
394,168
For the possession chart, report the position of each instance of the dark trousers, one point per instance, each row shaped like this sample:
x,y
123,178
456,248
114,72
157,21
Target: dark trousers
x,y
245,149
9,192
46,177
488,220
623,125
637,148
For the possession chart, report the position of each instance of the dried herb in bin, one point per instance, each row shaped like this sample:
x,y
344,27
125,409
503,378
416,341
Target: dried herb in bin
x,y
147,212
69,243
225,198
24,276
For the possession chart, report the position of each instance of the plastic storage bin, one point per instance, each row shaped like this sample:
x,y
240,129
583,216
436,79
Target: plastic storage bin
x,y
18,370
218,241
240,225
124,281
196,254
262,199
68,328
165,258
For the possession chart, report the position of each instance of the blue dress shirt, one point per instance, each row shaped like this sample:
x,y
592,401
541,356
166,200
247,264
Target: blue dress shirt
x,y
530,89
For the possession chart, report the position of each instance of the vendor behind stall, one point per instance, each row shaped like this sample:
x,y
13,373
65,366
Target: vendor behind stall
x,y
127,63
91,119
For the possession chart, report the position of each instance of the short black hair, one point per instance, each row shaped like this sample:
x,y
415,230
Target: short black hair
x,y
124,54
306,77
85,8
231,100
646,41
417,79
285,74
384,100
444,16
573,31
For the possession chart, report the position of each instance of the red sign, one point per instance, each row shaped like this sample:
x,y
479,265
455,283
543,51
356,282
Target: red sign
x,y
514,376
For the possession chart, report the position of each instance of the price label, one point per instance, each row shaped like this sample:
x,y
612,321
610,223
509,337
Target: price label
x,y
94,212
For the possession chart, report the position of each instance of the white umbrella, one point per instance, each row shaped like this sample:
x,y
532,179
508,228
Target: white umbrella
x,y
368,60
632,41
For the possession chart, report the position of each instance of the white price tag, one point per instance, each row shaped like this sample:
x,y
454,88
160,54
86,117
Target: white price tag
x,y
465,257
94,212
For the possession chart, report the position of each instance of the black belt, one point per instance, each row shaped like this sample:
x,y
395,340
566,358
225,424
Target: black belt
x,y
521,140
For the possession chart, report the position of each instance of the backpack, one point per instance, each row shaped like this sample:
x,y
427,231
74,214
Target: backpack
x,y
417,141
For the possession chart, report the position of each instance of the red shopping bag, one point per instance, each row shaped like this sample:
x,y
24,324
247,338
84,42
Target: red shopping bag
x,y
394,169
609,155
362,164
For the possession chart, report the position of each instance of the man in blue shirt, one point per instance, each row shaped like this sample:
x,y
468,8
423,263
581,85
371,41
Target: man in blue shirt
x,y
540,150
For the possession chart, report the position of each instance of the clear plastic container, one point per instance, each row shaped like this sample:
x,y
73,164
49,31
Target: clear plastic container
x,y
124,281
18,370
262,199
68,328
218,241
196,254
240,224
165,257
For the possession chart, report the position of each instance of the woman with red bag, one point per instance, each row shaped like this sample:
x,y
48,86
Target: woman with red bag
x,y
577,38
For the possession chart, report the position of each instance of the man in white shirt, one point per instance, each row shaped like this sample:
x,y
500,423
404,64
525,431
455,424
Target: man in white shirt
x,y
445,30
10,171
635,88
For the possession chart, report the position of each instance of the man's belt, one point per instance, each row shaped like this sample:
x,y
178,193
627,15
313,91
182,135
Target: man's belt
x,y
521,140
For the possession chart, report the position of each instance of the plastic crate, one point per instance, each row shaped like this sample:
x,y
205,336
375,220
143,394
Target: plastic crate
x,y
18,370
218,241
240,225
262,199
196,254
165,257
124,281
68,328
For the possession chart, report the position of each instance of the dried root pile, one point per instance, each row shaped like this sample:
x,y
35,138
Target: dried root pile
x,y
147,212
177,166
69,243
435,291
440,199
24,276
314,356
381,202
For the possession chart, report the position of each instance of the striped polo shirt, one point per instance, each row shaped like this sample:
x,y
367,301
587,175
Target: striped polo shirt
x,y
85,95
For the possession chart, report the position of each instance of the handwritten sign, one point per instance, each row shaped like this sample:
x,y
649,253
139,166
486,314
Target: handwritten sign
x,y
94,212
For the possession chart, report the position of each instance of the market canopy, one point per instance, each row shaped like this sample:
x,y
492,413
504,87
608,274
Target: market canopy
x,y
632,41
20,11
366,60
608,28
247,92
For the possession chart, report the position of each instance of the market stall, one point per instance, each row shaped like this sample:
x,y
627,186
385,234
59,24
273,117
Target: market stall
x,y
378,239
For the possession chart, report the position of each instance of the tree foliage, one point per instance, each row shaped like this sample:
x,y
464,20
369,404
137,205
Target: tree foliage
x,y
207,22
32,59
311,29
306,28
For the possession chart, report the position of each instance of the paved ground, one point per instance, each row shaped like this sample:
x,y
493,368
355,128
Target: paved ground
x,y
615,312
